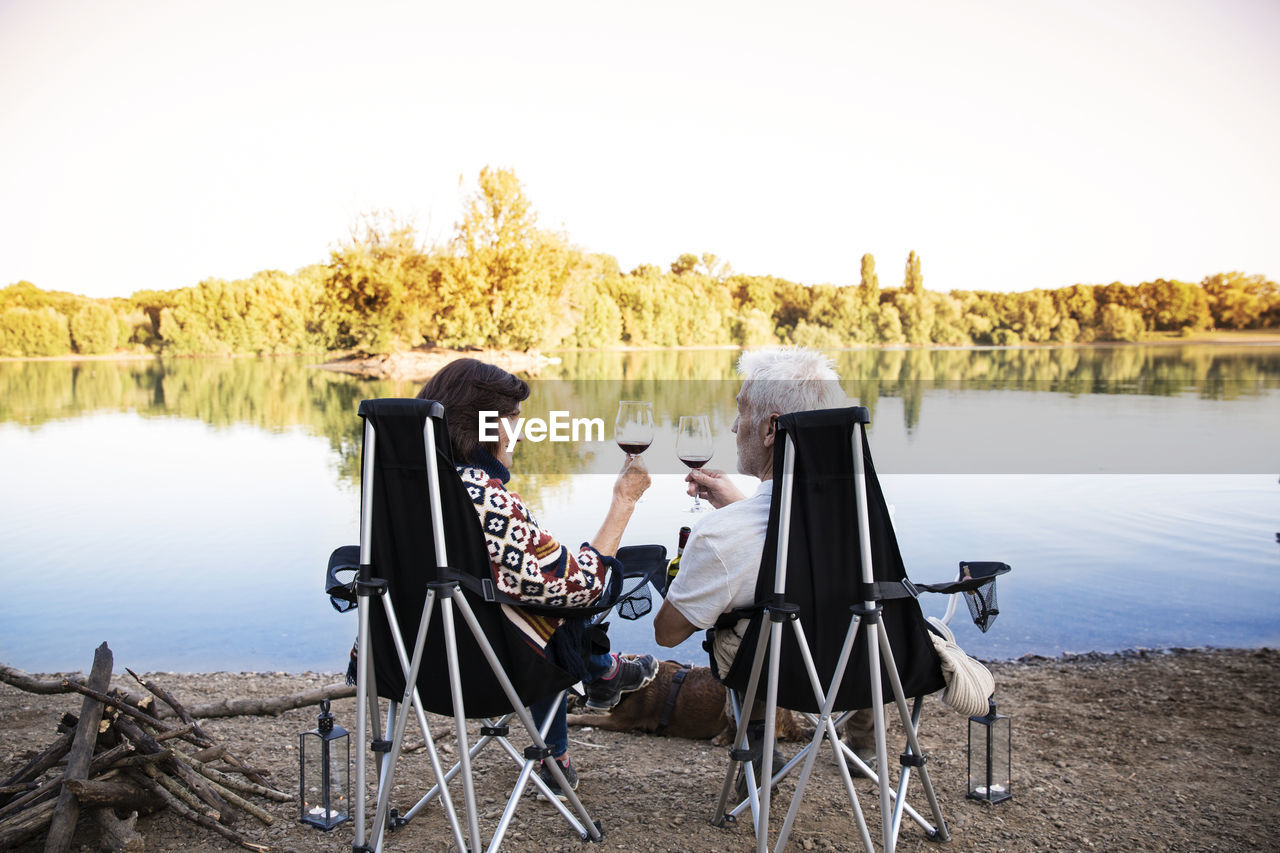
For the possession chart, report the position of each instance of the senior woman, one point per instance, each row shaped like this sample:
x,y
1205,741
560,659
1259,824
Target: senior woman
x,y
528,562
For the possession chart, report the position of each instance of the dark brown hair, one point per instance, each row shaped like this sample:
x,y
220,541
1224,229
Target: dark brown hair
x,y
465,388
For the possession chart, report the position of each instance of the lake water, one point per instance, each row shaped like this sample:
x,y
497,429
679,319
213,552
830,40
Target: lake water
x,y
184,511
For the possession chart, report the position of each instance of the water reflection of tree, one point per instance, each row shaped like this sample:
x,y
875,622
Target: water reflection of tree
x,y
286,393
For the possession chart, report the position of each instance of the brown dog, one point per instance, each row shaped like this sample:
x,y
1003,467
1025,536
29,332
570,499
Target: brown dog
x,y
699,709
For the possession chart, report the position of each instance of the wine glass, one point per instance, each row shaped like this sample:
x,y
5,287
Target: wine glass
x,y
694,446
633,427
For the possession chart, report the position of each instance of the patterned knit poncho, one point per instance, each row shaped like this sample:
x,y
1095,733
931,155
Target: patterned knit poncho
x,y
528,562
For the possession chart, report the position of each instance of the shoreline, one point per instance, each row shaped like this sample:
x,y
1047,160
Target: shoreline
x,y
337,358
1029,658
1112,751
418,365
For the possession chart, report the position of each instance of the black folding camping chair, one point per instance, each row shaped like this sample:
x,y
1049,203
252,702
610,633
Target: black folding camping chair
x,y
422,553
832,571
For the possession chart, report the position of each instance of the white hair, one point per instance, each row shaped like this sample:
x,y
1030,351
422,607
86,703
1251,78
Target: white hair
x,y
788,379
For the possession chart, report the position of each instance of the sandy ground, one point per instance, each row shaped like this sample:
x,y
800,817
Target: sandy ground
x,y
1142,751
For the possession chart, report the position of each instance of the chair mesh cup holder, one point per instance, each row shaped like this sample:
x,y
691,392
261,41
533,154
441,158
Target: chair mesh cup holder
x,y
978,582
982,605
637,604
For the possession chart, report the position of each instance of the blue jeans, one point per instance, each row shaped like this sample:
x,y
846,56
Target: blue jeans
x,y
558,734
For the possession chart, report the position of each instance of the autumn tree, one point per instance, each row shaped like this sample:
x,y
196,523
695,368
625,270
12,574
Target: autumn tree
x,y
888,324
839,309
503,277
976,319
793,301
916,313
684,264
1237,301
1034,316
870,282
1077,302
1117,293
713,267
33,332
587,305
1174,305
601,320
1118,323
94,329
949,325
755,292
377,294
913,279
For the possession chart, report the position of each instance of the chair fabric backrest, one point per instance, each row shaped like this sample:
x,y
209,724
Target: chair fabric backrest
x,y
824,569
403,553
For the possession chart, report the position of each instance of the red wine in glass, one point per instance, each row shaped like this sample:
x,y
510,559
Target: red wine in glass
x,y
633,426
694,446
634,448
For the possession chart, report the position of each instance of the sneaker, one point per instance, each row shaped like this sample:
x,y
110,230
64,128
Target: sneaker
x,y
631,674
570,776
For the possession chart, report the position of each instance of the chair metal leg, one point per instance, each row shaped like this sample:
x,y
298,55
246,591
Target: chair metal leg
x,y
366,702
526,775
512,752
825,728
770,717
433,757
740,736
882,755
363,651
866,771
721,812
590,829
449,776
463,767
460,721
398,719
380,758
387,779
913,741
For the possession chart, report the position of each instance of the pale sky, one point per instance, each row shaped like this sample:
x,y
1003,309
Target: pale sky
x,y
1015,144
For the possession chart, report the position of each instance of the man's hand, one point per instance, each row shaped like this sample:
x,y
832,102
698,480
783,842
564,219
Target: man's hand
x,y
713,486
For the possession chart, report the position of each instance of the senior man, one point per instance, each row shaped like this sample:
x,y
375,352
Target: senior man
x,y
722,557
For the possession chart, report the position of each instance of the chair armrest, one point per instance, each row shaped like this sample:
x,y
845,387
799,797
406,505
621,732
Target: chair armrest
x,y
339,589
644,561
972,576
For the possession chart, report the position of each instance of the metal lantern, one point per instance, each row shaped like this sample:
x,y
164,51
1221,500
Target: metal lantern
x,y
990,756
324,761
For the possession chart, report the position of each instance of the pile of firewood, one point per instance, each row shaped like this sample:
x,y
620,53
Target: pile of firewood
x,y
118,759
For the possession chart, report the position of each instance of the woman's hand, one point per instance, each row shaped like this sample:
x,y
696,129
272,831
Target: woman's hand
x,y
712,486
632,480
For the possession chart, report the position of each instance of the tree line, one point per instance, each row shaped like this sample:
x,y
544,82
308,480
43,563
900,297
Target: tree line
x,y
502,281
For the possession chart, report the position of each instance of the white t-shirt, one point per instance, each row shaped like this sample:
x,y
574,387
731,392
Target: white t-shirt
x,y
722,559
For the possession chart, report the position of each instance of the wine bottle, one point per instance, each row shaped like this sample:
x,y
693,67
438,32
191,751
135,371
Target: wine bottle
x,y
674,565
